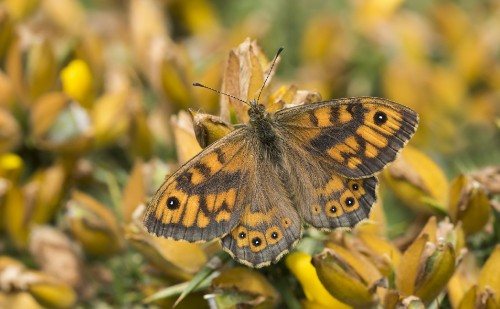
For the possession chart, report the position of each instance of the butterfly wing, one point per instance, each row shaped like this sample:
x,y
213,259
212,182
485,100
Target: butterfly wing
x,y
270,225
202,200
355,137
325,199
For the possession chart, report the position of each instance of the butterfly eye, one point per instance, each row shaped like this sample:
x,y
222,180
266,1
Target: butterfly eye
x,y
242,235
349,201
256,241
380,118
173,203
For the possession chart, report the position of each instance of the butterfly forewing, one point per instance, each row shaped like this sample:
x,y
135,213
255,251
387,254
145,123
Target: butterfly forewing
x,y
199,202
357,137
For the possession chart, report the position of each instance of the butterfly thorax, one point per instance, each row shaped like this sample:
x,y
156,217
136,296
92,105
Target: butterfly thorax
x,y
261,123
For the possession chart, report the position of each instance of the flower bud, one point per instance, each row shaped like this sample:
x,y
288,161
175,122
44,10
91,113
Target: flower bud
x,y
469,204
209,128
343,281
93,225
243,287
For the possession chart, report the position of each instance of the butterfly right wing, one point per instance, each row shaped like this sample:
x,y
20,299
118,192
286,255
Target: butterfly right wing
x,y
202,200
357,137
325,199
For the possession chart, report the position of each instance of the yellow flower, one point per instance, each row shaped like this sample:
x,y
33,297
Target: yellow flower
x,y
77,82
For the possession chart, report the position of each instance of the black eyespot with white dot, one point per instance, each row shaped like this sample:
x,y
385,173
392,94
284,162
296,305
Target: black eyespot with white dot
x,y
256,241
173,203
274,235
355,187
380,118
349,202
333,209
242,235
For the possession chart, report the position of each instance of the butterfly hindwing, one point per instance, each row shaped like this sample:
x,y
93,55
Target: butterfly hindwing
x,y
325,199
200,201
357,137
269,226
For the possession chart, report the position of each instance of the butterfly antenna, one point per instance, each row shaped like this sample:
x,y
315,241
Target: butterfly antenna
x,y
270,70
220,92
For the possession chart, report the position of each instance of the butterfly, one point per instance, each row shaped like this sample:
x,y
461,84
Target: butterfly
x,y
256,187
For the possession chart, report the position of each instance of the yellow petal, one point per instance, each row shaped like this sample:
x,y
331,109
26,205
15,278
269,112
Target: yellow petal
x,y
417,181
110,117
360,264
244,286
300,265
381,247
463,279
469,299
41,70
198,16
187,145
93,225
20,8
11,166
178,260
408,267
69,15
490,275
11,131
134,193
77,82
16,214
435,271
51,293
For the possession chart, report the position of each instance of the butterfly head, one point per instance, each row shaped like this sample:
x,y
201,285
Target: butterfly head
x,y
257,111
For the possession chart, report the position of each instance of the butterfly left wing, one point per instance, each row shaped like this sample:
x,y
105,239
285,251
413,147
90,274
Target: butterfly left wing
x,y
355,137
201,200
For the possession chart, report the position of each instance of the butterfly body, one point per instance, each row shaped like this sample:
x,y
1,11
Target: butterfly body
x,y
255,187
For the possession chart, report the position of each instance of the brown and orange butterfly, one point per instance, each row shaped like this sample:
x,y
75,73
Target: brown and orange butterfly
x,y
254,188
